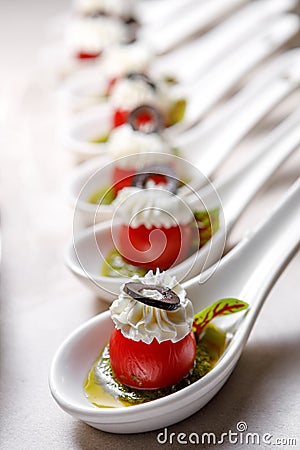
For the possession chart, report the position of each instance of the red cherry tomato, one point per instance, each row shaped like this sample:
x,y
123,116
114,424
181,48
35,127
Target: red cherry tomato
x,y
120,117
161,250
85,55
151,366
122,178
143,119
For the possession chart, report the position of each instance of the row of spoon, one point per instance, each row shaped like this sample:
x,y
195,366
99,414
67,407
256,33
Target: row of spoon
x,y
256,262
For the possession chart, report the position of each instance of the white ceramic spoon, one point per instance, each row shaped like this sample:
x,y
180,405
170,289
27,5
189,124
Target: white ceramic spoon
x,y
147,13
248,272
212,86
199,16
158,13
208,143
86,254
182,64
202,145
78,131
195,19
86,88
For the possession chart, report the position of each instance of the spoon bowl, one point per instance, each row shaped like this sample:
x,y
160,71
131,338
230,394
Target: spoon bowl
x,y
96,174
86,254
248,272
244,111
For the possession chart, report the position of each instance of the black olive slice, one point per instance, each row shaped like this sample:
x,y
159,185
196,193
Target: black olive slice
x,y
145,118
143,77
130,21
140,178
169,301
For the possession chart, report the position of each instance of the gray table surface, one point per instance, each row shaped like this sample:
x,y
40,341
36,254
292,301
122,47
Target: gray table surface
x,y
41,302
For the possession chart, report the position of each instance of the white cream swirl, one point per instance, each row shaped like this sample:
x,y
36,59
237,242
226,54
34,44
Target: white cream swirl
x,y
145,148
131,93
152,207
94,34
141,322
120,60
121,8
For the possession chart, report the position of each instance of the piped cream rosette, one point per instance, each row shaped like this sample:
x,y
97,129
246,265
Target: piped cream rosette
x,y
144,148
154,206
141,322
120,60
93,35
128,93
119,8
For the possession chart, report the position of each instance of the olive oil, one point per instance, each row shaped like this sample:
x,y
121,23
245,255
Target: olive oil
x,y
115,266
100,139
104,196
105,391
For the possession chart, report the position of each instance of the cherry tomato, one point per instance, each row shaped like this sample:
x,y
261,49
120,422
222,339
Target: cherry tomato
x,y
161,250
122,178
151,366
120,117
84,55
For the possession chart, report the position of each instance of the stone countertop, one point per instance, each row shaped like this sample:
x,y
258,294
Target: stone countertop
x,y
41,302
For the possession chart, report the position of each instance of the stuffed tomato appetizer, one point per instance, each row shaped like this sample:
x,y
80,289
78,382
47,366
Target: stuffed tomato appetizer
x,y
155,224
132,149
134,146
157,345
137,89
87,37
152,345
120,60
98,24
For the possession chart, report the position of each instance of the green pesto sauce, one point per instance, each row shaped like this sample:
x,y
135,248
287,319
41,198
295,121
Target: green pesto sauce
x,y
207,224
170,79
105,391
104,196
100,139
176,114
115,266
177,111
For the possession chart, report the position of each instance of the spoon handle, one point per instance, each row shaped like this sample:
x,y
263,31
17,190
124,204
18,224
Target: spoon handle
x,y
231,123
210,88
239,188
197,17
266,253
230,34
157,13
250,270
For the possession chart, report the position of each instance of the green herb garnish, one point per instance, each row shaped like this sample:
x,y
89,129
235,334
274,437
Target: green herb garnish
x,y
177,111
208,224
220,308
104,196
